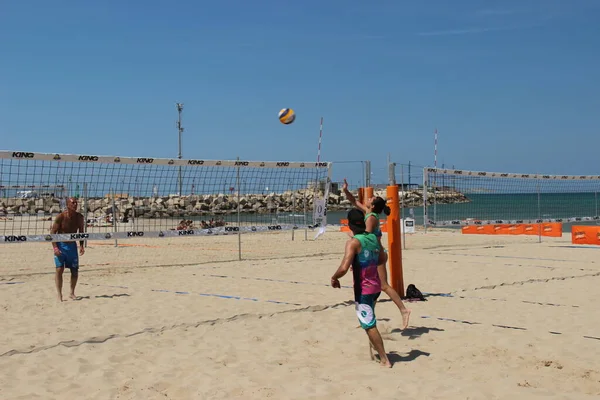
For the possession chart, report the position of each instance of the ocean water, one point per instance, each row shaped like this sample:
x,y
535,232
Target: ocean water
x,y
520,206
508,207
487,207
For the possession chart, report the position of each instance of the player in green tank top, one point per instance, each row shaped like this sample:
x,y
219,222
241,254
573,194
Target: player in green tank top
x,y
372,208
374,222
363,255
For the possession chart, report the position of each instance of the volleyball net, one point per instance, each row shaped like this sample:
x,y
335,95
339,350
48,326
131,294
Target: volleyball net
x,y
462,198
127,197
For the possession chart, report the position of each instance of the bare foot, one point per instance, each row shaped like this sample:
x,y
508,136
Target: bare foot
x,y
59,297
405,318
374,356
72,296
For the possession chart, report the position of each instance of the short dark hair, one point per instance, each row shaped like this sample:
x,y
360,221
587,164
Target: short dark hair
x,y
379,206
356,221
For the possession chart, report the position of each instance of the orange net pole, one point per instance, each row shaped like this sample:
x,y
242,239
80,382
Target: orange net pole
x,y
394,241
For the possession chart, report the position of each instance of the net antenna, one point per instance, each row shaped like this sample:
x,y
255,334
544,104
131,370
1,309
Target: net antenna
x,y
128,197
180,132
321,193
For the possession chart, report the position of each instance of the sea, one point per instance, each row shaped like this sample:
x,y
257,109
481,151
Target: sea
x,y
483,207
530,206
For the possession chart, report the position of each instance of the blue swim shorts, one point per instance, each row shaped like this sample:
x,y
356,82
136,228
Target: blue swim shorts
x,y
365,310
69,258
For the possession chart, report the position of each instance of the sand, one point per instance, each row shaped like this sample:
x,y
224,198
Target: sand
x,y
505,318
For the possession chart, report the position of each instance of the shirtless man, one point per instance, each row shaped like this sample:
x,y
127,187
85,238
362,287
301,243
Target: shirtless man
x,y
65,253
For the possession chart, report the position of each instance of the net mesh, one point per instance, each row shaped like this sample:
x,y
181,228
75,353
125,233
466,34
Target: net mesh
x,y
458,197
119,196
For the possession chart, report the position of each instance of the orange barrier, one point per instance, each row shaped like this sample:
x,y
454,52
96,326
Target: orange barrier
x,y
344,225
514,229
582,234
553,229
344,221
478,230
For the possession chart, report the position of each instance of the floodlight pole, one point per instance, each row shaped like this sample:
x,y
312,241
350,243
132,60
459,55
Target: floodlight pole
x,y
180,130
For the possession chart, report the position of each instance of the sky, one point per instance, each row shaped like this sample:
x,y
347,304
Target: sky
x,y
511,86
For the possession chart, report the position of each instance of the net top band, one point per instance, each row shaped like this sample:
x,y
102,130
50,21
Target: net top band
x,y
89,158
504,175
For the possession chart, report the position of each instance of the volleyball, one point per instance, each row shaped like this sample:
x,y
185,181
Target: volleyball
x,y
287,116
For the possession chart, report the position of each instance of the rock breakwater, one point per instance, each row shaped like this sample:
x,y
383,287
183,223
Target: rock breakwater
x,y
217,204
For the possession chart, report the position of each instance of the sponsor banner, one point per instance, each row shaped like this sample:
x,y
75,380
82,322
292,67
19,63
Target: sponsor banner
x,y
481,174
585,235
31,186
223,230
90,158
510,221
552,229
320,212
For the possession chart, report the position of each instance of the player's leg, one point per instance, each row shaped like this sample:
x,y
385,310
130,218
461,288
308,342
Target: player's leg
x,y
58,280
74,277
58,275
73,265
59,263
377,341
387,289
365,310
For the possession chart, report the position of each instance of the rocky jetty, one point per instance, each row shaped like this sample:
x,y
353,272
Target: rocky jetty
x,y
217,204
414,198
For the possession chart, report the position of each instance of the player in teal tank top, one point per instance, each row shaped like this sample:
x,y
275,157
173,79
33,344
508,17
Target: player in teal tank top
x,y
366,277
363,254
373,207
375,228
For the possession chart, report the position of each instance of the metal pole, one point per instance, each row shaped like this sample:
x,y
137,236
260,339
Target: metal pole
x,y
403,225
180,130
539,213
425,178
434,194
114,215
85,210
391,173
293,213
362,169
305,218
435,183
238,213
596,202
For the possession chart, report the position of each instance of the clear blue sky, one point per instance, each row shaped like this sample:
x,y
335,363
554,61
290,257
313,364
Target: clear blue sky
x,y
511,85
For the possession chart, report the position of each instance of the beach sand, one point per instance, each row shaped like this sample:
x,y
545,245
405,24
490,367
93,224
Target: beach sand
x,y
507,317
